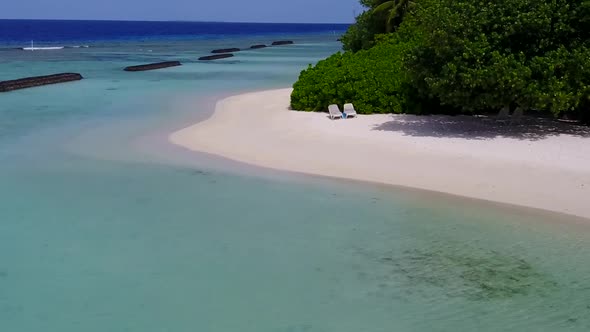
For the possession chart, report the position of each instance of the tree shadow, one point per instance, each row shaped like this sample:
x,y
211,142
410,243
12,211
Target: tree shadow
x,y
480,127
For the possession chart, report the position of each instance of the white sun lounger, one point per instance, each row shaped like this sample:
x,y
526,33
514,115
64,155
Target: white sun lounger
x,y
349,110
334,111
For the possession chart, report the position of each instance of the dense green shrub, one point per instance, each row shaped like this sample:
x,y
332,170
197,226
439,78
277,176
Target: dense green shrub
x,y
449,56
487,55
371,79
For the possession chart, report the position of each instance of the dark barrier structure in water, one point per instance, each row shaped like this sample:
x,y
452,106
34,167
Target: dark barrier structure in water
x,y
29,82
225,50
223,53
152,66
216,57
282,42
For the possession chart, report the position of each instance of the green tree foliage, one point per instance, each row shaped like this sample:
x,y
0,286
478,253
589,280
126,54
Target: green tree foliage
x,y
369,24
459,56
372,79
395,10
361,35
379,17
490,54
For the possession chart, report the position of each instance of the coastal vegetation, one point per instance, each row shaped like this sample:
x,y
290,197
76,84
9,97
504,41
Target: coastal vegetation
x,y
458,56
372,78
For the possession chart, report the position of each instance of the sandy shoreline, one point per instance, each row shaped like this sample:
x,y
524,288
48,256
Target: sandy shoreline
x,y
541,165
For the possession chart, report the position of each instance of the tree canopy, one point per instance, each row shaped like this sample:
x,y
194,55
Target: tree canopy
x,y
487,55
461,56
395,11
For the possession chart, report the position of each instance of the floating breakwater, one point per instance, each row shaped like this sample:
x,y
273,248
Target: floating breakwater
x,y
153,66
29,82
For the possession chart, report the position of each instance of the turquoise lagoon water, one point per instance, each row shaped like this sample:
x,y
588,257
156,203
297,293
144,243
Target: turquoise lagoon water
x,y
104,226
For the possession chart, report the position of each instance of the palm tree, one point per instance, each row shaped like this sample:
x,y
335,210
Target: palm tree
x,y
396,10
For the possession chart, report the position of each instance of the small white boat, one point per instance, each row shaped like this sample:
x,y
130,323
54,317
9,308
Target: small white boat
x,y
33,48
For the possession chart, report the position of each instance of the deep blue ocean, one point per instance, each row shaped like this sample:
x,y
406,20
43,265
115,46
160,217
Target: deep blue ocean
x,y
105,226
51,32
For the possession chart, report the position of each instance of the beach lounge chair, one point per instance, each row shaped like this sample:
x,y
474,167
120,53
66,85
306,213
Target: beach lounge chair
x,y
334,111
349,110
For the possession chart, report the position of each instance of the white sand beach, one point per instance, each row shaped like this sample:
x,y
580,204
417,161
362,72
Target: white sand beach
x,y
538,164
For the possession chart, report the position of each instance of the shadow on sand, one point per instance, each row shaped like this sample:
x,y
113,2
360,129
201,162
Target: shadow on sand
x,y
480,128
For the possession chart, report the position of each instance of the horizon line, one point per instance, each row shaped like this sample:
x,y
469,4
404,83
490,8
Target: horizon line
x,y
185,21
